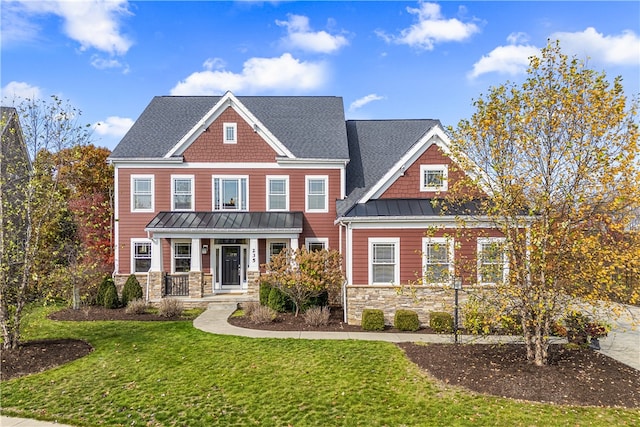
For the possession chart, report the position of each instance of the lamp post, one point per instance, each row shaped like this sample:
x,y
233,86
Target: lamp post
x,y
457,285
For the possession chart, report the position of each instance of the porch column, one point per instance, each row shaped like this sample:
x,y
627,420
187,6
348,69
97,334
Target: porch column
x,y
196,255
254,256
156,254
294,243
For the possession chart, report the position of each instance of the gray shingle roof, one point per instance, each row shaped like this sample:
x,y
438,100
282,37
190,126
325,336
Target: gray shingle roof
x,y
309,126
289,222
413,208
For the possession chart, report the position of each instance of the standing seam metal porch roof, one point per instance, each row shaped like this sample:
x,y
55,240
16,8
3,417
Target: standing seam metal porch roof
x,y
225,222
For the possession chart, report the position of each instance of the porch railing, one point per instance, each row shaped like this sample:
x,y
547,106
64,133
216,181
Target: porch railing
x,y
176,285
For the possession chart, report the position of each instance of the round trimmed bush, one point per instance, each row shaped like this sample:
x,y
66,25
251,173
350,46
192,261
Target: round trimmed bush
x,y
131,290
441,322
277,300
406,320
372,319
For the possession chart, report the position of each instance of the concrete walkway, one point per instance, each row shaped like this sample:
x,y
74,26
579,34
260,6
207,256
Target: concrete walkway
x,y
622,344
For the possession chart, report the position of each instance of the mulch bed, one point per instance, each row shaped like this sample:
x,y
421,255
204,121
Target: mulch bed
x,y
573,376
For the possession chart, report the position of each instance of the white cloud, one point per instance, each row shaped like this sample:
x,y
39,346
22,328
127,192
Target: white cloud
x,y
94,24
258,74
214,64
16,91
110,63
431,28
300,36
622,49
512,59
359,103
113,126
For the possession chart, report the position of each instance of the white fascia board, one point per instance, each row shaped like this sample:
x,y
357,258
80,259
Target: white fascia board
x,y
312,163
128,161
423,221
217,234
228,100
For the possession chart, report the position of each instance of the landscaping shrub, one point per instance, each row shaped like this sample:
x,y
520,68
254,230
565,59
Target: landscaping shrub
x,y
265,289
278,301
372,319
321,300
406,320
441,322
263,314
131,290
477,317
102,289
137,306
317,316
249,307
170,307
110,298
511,324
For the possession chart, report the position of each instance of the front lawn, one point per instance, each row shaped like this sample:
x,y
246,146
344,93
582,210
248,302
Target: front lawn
x,y
170,374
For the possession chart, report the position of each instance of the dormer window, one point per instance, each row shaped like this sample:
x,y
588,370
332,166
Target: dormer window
x,y
230,135
433,177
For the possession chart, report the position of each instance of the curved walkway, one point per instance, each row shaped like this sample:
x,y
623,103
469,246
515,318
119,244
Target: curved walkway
x,y
622,344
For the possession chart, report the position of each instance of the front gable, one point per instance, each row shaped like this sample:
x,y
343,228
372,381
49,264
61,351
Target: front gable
x,y
207,135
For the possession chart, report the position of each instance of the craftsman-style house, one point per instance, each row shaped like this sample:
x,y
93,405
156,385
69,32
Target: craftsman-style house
x,y
209,187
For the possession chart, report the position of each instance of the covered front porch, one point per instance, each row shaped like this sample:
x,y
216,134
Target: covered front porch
x,y
198,255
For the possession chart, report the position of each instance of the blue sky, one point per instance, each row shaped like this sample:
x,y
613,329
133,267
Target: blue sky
x,y
387,59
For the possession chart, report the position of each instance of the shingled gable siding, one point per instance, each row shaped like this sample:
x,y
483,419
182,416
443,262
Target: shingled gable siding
x,y
209,147
408,186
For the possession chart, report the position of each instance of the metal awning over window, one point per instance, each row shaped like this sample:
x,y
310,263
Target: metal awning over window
x,y
226,222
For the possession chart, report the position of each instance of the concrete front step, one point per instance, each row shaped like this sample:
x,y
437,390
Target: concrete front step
x,y
214,301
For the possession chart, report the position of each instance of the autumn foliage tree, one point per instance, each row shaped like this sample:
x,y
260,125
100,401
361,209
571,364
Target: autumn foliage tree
x,y
302,274
559,155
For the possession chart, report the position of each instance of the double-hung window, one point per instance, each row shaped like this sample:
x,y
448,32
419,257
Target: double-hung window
x,y
230,193
316,243
230,133
275,247
142,193
384,260
182,257
437,260
141,256
182,193
316,194
493,267
433,177
277,193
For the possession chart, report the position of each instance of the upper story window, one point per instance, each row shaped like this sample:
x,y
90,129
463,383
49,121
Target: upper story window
x,y
142,193
277,193
384,260
493,267
230,131
437,260
141,258
182,197
316,194
230,193
433,177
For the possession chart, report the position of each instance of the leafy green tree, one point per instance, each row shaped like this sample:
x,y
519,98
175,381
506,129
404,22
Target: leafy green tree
x,y
302,275
559,156
47,126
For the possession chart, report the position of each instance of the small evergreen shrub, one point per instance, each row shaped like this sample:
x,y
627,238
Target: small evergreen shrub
x,y
265,289
137,306
277,300
321,300
406,320
317,316
263,314
131,290
110,298
170,307
441,322
102,289
372,319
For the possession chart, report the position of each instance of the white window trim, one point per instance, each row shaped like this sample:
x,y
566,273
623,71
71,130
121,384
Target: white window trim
x,y
132,188
389,240
449,242
173,252
133,253
225,126
323,240
193,191
326,193
287,245
438,168
213,194
505,260
286,189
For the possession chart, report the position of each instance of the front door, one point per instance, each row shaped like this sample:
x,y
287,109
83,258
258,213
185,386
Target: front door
x,y
230,266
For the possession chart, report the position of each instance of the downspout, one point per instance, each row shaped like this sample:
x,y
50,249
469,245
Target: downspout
x,y
146,297
344,283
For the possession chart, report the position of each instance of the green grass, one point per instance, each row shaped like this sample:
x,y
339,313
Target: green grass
x,y
170,374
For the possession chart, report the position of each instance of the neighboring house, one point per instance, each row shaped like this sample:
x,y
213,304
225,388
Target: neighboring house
x,y
209,187
15,166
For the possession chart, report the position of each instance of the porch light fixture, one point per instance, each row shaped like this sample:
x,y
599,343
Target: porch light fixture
x,y
457,285
205,249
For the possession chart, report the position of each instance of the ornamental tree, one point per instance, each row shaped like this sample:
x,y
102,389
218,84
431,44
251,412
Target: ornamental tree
x,y
558,155
302,275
